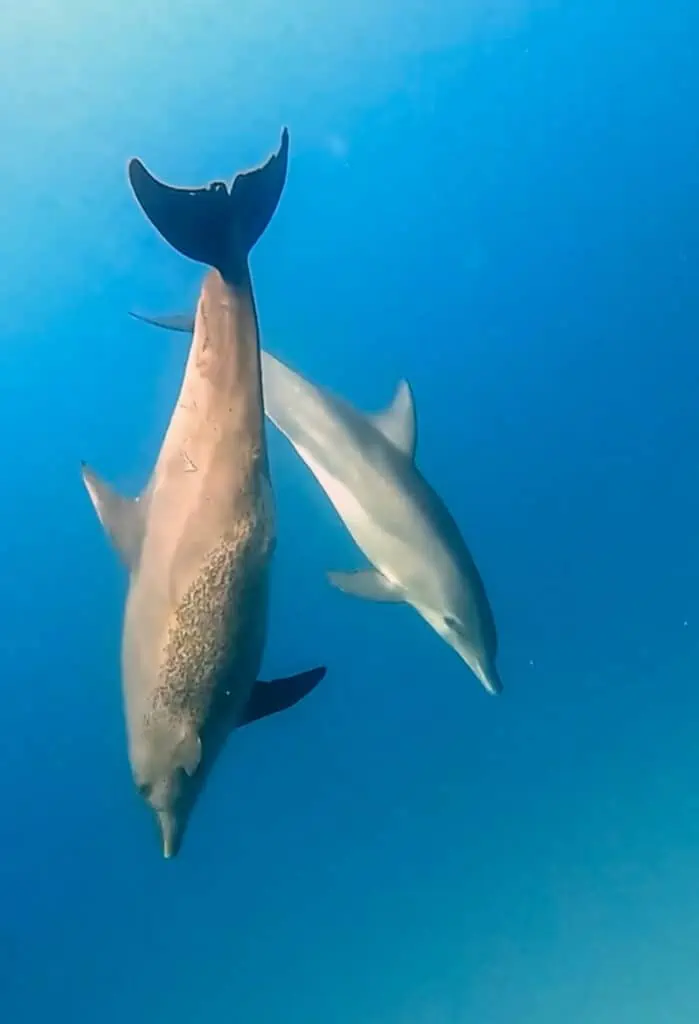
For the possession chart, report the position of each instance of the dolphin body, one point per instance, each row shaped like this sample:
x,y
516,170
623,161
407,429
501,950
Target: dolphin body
x,y
198,541
365,463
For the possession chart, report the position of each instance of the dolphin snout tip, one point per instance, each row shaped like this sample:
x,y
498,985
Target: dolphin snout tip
x,y
168,832
491,681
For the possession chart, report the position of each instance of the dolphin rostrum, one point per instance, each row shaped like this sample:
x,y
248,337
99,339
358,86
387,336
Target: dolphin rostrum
x,y
199,540
365,463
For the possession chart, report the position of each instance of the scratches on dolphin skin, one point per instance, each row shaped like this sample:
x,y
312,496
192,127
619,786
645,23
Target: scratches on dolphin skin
x,y
189,466
205,337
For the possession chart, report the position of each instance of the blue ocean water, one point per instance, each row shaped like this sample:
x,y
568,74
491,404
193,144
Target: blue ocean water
x,y
496,199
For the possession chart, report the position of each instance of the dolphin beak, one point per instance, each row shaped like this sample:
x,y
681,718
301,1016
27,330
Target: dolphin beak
x,y
484,671
168,832
491,680
483,668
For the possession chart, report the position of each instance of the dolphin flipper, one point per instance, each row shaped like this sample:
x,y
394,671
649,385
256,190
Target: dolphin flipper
x,y
183,322
213,225
279,694
121,518
367,583
189,751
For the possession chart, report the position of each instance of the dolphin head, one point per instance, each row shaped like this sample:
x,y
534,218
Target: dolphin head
x,y
456,632
167,795
473,641
169,776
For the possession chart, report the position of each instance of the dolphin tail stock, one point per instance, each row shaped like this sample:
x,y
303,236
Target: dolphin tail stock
x,y
214,225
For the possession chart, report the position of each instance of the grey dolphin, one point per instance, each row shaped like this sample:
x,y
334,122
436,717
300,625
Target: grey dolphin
x,y
198,541
365,463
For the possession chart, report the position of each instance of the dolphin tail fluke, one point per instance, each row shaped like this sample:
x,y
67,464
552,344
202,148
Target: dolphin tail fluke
x,y
213,225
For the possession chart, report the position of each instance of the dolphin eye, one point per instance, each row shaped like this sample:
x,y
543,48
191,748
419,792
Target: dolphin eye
x,y
145,789
451,623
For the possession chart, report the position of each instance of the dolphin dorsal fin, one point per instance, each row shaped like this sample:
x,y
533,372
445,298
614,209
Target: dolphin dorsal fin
x,y
398,422
122,518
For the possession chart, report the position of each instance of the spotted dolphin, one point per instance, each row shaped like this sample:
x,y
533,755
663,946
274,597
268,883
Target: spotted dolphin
x,y
198,541
366,465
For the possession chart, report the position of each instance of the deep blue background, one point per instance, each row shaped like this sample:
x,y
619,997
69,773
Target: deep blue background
x,y
498,200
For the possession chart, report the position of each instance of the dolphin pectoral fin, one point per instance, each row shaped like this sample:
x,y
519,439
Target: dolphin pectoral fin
x,y
367,583
189,751
122,518
183,322
280,694
398,423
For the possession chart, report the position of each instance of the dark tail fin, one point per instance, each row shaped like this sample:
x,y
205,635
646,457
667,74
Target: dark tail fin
x,y
183,322
213,225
